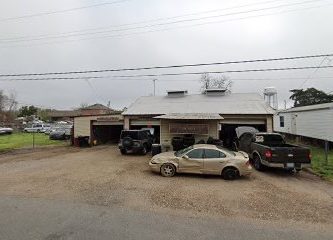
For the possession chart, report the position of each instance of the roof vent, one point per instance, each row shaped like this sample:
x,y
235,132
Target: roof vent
x,y
215,91
177,93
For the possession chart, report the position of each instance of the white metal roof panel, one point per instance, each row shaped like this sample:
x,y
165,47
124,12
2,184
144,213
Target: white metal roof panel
x,y
203,116
235,103
309,108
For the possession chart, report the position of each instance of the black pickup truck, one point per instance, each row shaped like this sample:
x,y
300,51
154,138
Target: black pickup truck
x,y
271,150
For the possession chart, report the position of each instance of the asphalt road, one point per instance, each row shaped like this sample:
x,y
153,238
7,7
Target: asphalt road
x,y
32,218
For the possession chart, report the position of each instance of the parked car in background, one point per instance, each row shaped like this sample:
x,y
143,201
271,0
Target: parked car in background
x,y
271,150
4,131
60,134
135,141
39,128
202,159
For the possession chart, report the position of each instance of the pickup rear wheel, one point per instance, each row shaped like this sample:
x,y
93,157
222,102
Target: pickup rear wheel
x,y
257,163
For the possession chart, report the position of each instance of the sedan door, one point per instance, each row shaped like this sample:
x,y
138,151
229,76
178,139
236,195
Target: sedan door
x,y
192,161
214,161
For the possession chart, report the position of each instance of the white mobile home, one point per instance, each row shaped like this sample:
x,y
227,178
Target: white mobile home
x,y
315,121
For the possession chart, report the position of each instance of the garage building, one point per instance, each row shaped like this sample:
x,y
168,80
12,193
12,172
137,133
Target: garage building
x,y
214,113
98,129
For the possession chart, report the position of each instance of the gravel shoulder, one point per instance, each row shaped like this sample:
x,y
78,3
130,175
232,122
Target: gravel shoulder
x,y
102,176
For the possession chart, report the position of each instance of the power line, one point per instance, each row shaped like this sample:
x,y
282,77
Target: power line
x,y
165,23
313,73
171,28
61,11
168,67
146,21
151,79
168,74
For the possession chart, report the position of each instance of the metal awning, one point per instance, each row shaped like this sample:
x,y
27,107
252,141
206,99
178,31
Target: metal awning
x,y
191,116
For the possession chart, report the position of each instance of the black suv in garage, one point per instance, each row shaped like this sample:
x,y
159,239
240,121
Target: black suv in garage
x,y
135,141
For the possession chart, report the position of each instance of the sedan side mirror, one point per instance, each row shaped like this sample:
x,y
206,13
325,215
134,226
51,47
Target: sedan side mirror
x,y
186,157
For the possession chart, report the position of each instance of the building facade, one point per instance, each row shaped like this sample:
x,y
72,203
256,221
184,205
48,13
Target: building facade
x,y
214,113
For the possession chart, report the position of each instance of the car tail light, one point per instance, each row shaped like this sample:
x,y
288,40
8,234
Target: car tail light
x,y
268,154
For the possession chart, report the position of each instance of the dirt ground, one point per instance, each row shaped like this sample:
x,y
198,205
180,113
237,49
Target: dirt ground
x,y
102,176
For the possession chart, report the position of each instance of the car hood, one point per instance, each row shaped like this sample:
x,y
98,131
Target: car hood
x,y
166,156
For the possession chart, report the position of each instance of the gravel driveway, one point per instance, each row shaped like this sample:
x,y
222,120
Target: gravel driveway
x,y
102,176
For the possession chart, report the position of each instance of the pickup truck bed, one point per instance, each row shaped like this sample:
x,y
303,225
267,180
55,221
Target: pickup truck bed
x,y
269,149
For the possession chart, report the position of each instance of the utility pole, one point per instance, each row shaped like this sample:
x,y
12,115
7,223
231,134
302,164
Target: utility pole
x,y
154,82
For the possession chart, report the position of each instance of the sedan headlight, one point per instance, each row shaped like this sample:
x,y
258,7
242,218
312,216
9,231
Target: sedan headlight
x,y
154,161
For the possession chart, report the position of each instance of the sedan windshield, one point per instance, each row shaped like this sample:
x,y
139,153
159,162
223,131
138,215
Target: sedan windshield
x,y
182,151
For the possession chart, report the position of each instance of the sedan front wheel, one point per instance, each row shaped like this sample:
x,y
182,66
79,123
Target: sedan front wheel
x,y
168,170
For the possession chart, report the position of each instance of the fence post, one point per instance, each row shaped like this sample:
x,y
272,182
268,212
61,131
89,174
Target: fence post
x,y
33,140
326,152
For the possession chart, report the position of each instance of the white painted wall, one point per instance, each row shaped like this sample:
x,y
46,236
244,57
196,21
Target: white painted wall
x,y
315,124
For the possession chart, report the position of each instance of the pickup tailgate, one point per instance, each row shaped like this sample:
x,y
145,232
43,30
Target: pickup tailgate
x,y
290,154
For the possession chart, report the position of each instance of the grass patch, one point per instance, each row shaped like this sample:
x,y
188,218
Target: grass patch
x,y
319,165
25,140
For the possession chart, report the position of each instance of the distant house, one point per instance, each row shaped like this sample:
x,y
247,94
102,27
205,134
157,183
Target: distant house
x,y
68,115
63,115
315,121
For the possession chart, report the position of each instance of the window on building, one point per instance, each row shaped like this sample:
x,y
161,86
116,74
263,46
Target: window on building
x,y
281,121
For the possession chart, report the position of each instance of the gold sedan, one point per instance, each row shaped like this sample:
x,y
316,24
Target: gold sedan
x,y
202,159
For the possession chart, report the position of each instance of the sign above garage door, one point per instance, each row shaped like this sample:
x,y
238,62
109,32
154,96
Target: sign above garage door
x,y
179,128
110,119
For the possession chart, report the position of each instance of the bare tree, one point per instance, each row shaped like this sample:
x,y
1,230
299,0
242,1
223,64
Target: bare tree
x,y
3,98
208,82
8,106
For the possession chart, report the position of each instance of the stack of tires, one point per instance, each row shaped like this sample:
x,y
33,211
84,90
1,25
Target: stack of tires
x,y
177,143
188,140
216,142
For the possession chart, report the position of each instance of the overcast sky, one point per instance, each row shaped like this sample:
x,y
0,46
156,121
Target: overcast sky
x,y
139,33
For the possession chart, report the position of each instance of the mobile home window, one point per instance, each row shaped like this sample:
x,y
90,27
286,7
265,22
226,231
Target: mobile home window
x,y
281,121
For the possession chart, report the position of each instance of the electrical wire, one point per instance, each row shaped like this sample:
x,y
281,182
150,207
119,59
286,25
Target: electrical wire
x,y
170,74
313,73
166,23
118,36
150,79
170,66
61,11
142,22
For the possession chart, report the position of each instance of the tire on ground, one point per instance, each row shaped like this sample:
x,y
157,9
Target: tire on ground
x,y
230,173
168,170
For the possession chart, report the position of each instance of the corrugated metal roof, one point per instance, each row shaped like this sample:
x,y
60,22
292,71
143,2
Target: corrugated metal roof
x,y
203,116
309,108
234,103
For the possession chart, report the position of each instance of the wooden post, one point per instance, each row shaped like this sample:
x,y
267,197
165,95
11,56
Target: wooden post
x,y
33,140
326,152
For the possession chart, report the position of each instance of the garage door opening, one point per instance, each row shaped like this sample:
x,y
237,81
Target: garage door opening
x,y
104,134
156,131
228,132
